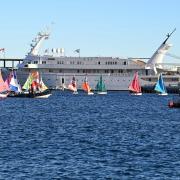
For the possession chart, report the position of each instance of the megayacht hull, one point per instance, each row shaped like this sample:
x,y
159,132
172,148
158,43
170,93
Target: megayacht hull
x,y
112,82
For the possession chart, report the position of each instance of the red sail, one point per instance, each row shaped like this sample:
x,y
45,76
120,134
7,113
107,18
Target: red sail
x,y
135,85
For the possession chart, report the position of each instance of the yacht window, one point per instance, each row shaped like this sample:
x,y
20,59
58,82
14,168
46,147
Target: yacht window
x,y
35,62
124,63
78,71
51,58
43,62
50,70
99,62
174,79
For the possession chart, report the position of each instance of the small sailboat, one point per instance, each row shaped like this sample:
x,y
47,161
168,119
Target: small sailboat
x,y
63,86
73,86
134,86
160,87
86,87
100,87
3,87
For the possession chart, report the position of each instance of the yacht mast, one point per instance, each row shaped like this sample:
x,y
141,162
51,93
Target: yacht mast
x,y
157,58
35,46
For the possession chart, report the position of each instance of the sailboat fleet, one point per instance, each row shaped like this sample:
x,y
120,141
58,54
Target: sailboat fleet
x,y
34,87
100,87
135,87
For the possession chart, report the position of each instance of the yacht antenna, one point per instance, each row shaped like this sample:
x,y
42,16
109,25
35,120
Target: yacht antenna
x,y
169,35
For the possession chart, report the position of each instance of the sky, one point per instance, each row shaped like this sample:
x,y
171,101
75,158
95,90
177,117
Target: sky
x,y
117,28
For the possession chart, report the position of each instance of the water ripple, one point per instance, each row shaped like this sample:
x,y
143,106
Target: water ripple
x,y
117,136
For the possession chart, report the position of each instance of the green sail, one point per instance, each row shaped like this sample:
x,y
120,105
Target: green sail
x,y
28,83
100,85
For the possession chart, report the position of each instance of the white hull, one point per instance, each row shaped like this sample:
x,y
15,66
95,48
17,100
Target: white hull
x,y
43,96
90,93
3,95
101,93
75,92
136,94
163,94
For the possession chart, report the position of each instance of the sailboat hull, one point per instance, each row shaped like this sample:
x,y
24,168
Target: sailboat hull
x,y
163,94
90,93
44,94
3,96
101,93
136,94
75,92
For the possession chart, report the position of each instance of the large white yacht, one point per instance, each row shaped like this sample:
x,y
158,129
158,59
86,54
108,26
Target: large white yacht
x,y
57,69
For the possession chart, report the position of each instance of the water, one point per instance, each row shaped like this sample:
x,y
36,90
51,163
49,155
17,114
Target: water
x,y
67,136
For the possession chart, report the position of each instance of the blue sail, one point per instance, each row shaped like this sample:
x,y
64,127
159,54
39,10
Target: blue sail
x,y
160,87
14,85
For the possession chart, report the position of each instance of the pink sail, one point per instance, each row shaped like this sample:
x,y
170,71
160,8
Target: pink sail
x,y
135,85
7,81
3,86
72,86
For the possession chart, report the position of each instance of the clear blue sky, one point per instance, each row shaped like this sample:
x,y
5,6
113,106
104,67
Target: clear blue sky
x,y
124,28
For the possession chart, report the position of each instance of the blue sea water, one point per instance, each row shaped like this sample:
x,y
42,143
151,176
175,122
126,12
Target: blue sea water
x,y
116,136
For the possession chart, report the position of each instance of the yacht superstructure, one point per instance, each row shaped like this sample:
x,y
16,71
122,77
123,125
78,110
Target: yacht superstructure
x,y
117,73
